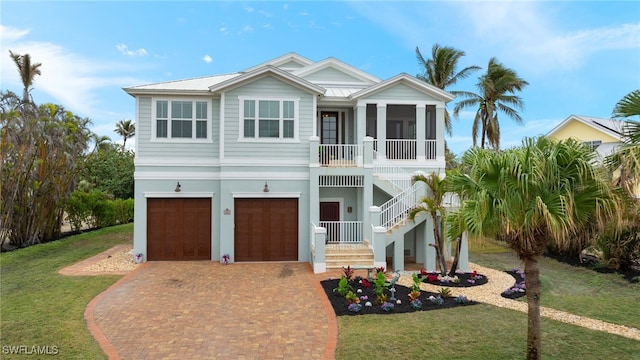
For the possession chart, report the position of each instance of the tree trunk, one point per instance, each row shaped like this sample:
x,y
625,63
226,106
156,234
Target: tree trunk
x,y
456,258
532,282
439,246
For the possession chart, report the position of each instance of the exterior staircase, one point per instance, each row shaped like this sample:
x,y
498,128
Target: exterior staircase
x,y
342,255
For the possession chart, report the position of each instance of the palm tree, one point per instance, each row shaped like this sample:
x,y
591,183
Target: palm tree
x,y
126,129
432,204
533,195
28,71
440,71
497,88
627,159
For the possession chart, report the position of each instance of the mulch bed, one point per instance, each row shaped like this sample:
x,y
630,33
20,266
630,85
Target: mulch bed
x,y
340,305
465,280
518,289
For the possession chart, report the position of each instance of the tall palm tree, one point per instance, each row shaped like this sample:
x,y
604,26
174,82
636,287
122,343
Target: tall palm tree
x,y
28,71
627,159
441,71
126,129
497,88
533,195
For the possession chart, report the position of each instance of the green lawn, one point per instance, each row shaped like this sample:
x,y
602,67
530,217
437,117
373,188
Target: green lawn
x,y
39,307
577,290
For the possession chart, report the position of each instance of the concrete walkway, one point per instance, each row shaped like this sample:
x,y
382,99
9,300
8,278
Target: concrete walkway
x,y
205,310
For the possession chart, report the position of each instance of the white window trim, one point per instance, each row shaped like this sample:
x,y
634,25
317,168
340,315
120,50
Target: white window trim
x,y
281,139
193,139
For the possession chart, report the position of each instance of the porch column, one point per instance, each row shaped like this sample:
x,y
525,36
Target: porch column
x,y
318,256
379,234
429,251
421,130
440,133
398,254
463,262
381,123
361,122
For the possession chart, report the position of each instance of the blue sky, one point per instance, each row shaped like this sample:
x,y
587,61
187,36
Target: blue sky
x,y
580,57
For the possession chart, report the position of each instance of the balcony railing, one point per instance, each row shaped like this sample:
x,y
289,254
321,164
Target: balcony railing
x,y
343,232
345,155
401,149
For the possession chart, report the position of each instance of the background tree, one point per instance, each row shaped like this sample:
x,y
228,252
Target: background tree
x,y
627,158
126,129
40,149
27,70
541,192
441,71
109,168
497,88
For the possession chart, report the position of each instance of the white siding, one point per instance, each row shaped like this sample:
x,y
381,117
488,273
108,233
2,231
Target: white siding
x,y
402,92
330,74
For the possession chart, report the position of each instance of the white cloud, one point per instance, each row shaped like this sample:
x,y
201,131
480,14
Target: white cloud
x,y
249,9
70,79
246,28
224,30
125,50
536,41
207,59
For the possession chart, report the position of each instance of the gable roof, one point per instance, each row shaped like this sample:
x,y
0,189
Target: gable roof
x,y
409,80
606,126
198,85
334,63
280,61
268,70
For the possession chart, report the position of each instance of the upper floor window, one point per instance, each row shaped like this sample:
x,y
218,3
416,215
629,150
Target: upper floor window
x,y
268,119
181,119
593,144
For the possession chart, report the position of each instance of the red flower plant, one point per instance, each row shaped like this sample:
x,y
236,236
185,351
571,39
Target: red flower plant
x,y
432,277
365,283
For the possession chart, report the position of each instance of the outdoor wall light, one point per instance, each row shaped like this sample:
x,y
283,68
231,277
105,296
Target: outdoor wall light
x,y
266,187
177,189
349,209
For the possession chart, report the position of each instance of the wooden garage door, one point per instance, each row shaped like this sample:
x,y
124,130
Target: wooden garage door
x,y
266,230
179,229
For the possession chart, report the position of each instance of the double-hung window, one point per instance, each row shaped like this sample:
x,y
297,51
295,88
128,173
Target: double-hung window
x,y
181,119
266,119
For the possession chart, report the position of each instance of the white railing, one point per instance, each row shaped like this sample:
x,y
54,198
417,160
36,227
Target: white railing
x,y
343,232
401,149
340,155
391,172
398,208
430,149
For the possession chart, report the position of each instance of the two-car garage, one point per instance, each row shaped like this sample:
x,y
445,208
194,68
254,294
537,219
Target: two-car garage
x,y
265,229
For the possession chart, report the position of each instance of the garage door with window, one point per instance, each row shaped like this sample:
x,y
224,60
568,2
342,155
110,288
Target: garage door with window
x,y
179,229
266,230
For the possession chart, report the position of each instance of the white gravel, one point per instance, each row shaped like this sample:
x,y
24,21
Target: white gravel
x,y
116,262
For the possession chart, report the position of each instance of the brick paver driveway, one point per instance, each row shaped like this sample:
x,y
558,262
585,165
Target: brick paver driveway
x,y
205,310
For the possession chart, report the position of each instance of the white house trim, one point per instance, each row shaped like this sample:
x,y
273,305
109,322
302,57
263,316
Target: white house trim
x,y
182,194
261,194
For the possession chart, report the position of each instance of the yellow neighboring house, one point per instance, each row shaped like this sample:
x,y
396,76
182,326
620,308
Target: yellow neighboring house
x,y
603,135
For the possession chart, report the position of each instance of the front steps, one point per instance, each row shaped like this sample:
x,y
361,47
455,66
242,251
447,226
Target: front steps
x,y
342,255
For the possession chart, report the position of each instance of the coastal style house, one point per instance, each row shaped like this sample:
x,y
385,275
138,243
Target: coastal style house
x,y
604,136
289,160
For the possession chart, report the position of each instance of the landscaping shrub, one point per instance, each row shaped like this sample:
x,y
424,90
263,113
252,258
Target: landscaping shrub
x,y
96,210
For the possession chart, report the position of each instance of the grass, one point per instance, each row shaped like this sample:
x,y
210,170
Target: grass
x,y
40,307
608,297
473,332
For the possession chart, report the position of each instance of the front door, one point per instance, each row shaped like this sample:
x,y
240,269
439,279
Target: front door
x,y
330,212
329,127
